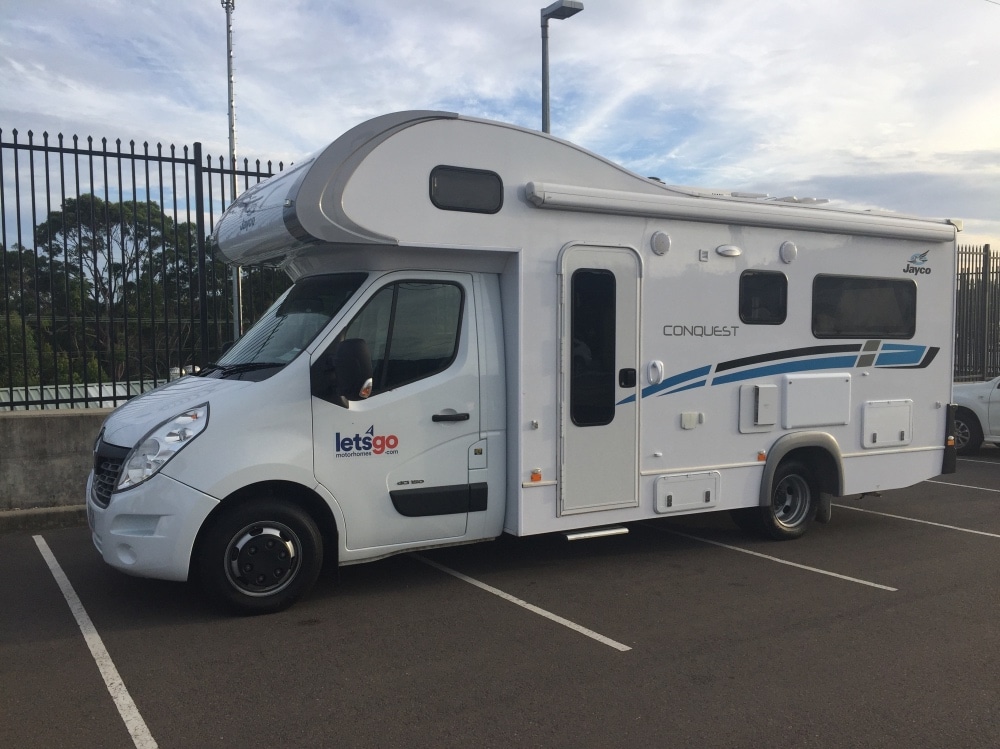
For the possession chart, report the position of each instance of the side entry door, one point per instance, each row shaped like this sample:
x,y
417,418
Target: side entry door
x,y
398,462
599,398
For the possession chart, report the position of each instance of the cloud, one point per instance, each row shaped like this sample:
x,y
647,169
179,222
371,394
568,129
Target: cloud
x,y
855,99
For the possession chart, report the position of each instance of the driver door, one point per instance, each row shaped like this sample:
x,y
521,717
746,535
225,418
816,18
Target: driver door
x,y
398,462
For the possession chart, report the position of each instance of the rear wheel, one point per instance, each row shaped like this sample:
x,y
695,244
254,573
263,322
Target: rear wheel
x,y
794,500
968,433
260,556
794,503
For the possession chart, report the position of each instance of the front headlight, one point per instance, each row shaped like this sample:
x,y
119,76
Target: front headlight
x,y
160,445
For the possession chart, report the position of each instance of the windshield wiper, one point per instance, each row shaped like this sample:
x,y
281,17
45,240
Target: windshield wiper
x,y
250,366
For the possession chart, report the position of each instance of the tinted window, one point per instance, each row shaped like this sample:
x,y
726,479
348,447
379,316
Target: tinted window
x,y
763,297
860,307
412,329
475,190
592,329
293,320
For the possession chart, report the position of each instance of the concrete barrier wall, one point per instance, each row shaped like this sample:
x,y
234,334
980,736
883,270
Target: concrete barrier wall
x,y
45,456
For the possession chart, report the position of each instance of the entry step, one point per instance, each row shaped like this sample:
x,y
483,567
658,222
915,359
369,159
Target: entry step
x,y
615,530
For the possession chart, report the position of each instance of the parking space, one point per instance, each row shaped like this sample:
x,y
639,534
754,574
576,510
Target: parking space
x,y
874,630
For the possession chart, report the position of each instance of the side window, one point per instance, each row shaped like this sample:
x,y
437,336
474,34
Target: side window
x,y
412,329
863,307
454,188
763,297
592,331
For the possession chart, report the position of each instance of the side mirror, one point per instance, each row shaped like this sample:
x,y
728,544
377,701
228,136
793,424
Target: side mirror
x,y
352,364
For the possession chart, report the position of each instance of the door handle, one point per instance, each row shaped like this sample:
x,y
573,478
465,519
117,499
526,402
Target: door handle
x,y
626,378
450,417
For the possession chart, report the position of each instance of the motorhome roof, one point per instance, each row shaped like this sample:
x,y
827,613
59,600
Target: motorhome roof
x,y
370,188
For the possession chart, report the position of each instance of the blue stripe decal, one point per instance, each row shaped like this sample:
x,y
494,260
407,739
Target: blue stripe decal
x,y
689,386
676,380
888,355
832,362
692,386
895,354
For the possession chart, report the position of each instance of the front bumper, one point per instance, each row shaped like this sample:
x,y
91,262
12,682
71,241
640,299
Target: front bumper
x,y
149,530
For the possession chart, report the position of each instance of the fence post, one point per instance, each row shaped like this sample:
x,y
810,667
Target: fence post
x,y
199,199
987,278
985,312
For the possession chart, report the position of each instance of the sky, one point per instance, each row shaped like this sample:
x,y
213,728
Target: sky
x,y
885,104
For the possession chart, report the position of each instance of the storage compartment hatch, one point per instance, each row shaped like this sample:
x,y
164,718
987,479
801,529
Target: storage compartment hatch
x,y
685,492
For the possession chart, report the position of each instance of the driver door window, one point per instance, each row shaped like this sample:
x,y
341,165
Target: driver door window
x,y
412,329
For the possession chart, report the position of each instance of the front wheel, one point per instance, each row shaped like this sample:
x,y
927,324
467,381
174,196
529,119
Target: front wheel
x,y
260,556
794,500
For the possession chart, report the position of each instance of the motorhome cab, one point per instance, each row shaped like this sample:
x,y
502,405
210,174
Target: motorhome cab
x,y
494,331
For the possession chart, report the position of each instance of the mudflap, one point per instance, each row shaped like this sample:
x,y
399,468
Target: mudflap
x,y
950,462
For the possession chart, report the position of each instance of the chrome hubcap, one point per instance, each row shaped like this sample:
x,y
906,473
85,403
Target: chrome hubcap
x,y
790,501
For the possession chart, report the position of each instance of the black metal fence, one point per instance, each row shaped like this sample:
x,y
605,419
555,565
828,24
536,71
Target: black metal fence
x,y
977,314
110,287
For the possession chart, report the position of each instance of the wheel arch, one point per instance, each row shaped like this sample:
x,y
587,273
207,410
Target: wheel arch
x,y
966,410
287,491
818,450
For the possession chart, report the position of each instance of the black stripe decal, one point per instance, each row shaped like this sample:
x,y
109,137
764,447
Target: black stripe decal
x,y
787,354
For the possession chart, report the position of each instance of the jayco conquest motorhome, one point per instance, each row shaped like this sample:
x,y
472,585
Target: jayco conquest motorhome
x,y
494,331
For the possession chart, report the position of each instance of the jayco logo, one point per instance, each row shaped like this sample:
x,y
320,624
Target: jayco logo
x,y
368,443
916,264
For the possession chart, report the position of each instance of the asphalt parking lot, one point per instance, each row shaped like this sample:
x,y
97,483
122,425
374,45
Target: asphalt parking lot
x,y
877,630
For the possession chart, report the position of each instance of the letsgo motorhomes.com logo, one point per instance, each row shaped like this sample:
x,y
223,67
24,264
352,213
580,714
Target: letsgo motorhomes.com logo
x,y
916,264
369,443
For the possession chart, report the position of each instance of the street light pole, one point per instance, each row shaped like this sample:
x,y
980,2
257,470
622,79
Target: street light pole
x,y
237,280
559,10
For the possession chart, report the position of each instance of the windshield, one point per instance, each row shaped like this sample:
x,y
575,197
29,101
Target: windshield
x,y
291,323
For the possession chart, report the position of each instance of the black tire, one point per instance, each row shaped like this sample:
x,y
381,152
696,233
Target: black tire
x,y
968,433
794,500
260,556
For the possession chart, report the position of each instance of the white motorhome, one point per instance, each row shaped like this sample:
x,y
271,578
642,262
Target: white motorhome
x,y
495,331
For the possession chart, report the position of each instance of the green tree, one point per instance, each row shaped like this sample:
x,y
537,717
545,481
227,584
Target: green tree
x,y
18,357
110,246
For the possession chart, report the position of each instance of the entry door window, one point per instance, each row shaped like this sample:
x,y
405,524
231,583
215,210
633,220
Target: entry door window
x,y
592,367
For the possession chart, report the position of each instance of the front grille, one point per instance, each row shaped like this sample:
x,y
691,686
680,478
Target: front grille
x,y
108,461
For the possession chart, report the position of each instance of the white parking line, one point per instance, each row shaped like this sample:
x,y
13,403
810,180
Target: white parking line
x,y
530,607
922,522
974,460
817,570
123,701
964,486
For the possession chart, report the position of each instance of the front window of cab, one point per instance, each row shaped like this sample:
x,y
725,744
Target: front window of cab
x,y
290,325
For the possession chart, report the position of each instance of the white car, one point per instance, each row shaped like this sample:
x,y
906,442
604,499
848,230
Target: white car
x,y
977,418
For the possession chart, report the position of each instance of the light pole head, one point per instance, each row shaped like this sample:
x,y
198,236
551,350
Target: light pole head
x,y
562,9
